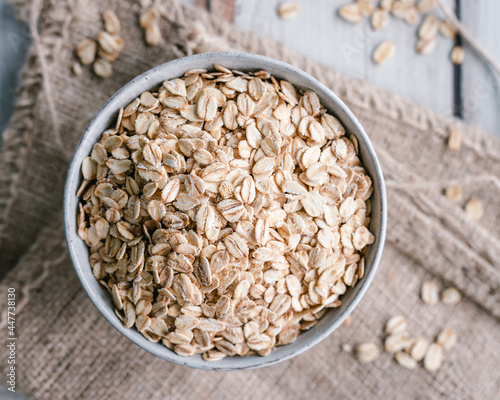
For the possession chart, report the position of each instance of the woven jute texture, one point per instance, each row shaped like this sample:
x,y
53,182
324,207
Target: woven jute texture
x,y
66,349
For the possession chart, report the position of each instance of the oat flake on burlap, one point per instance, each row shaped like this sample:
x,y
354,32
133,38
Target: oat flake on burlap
x,y
67,350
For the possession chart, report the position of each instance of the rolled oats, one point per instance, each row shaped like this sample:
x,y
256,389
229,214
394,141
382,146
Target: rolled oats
x,y
433,357
366,6
430,293
474,209
426,46
457,55
397,341
429,28
395,324
412,12
288,10
109,43
455,139
111,22
383,52
426,6
153,34
103,69
447,338
405,360
351,13
77,68
367,352
149,22
148,17
401,9
379,19
451,296
217,230
106,47
387,4
447,29
419,348
86,51
454,193
411,16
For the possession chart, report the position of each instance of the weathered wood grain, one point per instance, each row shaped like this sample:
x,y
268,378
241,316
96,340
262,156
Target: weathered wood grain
x,y
322,35
480,86
319,33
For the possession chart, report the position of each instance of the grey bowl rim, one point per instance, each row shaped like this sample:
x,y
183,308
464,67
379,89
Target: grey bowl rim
x,y
74,170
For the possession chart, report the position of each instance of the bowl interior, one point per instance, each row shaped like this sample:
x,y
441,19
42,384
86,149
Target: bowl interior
x,y
245,62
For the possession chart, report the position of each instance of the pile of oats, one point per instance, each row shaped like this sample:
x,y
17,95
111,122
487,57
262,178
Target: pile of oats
x,y
413,12
225,212
101,53
149,21
408,351
429,293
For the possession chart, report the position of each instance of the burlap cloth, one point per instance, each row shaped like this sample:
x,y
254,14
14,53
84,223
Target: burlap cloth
x,y
66,349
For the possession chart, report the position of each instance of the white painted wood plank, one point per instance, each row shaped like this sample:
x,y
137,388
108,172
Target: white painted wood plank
x,y
481,87
425,79
321,34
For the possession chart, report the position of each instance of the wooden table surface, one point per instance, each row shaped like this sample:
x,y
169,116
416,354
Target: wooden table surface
x,y
470,91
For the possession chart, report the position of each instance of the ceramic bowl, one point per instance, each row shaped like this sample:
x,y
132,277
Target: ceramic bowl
x,y
244,62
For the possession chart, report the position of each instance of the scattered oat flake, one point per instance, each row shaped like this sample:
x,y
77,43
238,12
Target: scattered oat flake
x,y
474,209
148,16
366,6
447,338
429,293
405,360
153,34
86,51
395,324
346,347
288,10
426,46
457,55
428,28
111,22
103,68
433,357
426,6
387,4
412,16
447,29
451,296
351,13
397,341
454,193
419,348
383,52
108,43
77,68
455,139
367,352
379,19
401,9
